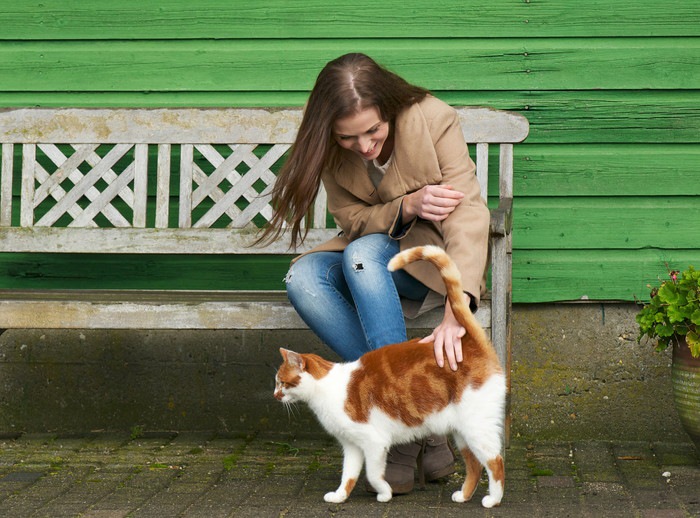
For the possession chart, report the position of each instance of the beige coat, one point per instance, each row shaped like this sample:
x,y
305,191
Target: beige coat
x,y
429,149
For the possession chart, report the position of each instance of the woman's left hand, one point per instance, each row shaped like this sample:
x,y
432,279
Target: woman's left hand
x,y
447,340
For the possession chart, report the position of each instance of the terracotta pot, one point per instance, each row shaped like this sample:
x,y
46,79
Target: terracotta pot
x,y
685,373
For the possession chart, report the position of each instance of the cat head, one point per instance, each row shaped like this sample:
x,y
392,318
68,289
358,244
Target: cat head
x,y
288,375
295,376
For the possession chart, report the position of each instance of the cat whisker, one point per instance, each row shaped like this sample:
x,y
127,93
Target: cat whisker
x,y
292,410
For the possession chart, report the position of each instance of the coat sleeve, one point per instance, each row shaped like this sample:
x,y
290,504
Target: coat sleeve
x,y
357,217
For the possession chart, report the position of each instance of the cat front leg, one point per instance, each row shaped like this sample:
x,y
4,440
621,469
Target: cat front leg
x,y
375,466
352,465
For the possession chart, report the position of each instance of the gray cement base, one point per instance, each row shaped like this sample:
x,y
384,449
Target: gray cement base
x,y
577,374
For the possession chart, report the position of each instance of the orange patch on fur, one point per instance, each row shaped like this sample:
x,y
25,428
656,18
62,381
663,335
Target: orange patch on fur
x,y
404,381
350,486
316,366
295,363
474,469
498,470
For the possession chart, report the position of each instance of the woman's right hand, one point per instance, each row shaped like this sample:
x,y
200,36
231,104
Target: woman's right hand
x,y
432,202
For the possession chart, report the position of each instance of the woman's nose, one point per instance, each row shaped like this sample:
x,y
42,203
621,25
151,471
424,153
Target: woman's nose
x,y
365,144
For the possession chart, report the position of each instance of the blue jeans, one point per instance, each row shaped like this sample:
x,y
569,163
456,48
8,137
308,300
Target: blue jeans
x,y
350,299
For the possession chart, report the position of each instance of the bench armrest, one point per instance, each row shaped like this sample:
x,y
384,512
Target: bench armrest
x,y
502,218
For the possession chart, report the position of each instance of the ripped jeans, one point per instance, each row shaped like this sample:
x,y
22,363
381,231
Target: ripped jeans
x,y
350,299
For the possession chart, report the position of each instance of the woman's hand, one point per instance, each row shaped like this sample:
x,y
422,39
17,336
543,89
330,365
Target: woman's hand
x,y
432,202
447,340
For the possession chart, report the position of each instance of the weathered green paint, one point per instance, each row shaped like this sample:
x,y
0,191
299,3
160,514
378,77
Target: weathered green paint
x,y
282,19
606,184
440,64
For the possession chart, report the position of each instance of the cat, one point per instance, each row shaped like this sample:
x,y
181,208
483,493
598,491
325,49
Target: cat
x,y
397,394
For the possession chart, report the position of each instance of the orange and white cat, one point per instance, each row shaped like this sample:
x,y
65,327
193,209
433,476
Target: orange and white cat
x,y
397,394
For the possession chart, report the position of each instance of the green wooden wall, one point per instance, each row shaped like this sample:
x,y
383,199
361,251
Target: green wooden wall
x,y
607,185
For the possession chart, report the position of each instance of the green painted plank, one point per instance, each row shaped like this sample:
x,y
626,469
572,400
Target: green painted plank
x,y
606,169
605,117
560,275
131,271
538,275
266,65
569,223
168,19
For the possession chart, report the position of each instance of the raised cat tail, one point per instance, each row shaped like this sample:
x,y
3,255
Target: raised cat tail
x,y
453,282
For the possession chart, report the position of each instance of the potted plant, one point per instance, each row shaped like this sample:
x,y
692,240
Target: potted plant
x,y
672,318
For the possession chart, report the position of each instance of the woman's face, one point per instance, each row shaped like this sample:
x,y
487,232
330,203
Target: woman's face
x,y
364,133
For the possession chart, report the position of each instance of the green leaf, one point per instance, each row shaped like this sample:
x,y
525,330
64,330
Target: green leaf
x,y
695,317
693,340
664,330
667,293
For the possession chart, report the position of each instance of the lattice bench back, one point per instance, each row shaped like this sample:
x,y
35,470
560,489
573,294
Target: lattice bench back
x,y
150,180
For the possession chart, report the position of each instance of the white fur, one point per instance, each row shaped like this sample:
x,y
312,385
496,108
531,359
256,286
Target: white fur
x,y
475,421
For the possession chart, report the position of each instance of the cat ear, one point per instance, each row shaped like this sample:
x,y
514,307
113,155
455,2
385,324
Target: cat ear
x,y
292,358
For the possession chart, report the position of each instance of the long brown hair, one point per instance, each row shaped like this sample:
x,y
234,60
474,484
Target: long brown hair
x,y
346,86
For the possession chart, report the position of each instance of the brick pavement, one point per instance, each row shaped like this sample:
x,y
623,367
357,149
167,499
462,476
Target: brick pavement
x,y
112,475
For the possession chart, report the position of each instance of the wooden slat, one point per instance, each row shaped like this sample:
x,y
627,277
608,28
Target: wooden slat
x,y
168,19
76,309
482,168
163,186
500,284
505,171
211,126
146,241
186,174
6,175
292,65
27,198
140,184
320,208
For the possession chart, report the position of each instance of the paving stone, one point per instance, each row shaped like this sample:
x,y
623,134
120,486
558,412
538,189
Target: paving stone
x,y
193,475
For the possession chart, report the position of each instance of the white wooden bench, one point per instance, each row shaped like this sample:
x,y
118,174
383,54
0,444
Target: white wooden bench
x,y
71,198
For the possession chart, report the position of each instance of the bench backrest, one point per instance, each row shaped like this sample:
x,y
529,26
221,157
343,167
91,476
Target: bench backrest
x,y
150,180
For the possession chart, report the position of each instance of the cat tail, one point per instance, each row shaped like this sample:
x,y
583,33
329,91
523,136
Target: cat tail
x,y
453,282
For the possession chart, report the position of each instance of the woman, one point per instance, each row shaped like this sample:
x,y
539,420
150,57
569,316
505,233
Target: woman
x,y
396,169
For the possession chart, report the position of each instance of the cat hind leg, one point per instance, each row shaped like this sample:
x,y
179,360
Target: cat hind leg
x,y
473,475
496,472
478,454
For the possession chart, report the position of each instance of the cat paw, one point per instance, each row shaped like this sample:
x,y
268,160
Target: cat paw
x,y
488,501
335,497
383,497
458,496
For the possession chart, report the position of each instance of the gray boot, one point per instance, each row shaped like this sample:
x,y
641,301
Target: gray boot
x,y
438,459
401,464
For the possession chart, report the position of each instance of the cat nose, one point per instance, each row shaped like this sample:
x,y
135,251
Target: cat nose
x,y
278,395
